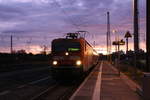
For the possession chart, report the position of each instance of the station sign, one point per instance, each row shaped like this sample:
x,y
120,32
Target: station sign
x,y
121,42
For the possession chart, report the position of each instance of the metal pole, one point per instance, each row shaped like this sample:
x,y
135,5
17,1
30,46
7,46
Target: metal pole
x,y
115,32
118,61
127,45
136,26
148,40
136,35
11,44
108,36
116,41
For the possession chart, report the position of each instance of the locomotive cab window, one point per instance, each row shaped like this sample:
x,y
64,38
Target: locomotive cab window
x,y
66,46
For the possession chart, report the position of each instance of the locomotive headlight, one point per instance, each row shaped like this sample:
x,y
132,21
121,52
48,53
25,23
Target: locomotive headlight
x,y
66,53
78,62
55,62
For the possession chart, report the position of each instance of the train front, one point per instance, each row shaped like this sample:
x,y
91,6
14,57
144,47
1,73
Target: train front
x,y
66,57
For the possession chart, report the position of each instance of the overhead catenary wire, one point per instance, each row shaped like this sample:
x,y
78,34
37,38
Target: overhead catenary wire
x,y
72,20
65,13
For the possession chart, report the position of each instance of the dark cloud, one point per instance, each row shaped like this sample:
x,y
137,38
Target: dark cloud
x,y
59,16
8,13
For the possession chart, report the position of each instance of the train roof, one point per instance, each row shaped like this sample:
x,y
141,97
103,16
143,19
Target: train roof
x,y
66,39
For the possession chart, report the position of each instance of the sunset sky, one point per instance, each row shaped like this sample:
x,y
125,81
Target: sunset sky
x,y
34,23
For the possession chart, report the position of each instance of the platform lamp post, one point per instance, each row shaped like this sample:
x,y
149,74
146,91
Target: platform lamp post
x,y
127,35
116,38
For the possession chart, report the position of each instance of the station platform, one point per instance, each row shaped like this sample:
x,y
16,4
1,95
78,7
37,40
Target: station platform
x,y
104,83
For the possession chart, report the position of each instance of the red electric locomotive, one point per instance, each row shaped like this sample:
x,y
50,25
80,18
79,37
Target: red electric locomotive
x,y
72,56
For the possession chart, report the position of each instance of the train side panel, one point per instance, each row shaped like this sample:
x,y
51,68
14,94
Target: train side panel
x,y
90,57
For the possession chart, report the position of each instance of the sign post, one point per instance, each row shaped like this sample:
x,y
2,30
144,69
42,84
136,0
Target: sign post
x,y
118,43
127,35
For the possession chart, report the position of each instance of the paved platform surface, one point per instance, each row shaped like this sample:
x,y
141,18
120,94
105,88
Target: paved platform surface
x,y
104,83
115,88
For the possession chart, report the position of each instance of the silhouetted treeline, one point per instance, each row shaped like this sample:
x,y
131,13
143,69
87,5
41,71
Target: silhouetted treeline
x,y
18,61
21,58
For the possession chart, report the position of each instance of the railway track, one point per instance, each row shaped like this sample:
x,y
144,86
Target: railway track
x,y
60,91
27,91
44,88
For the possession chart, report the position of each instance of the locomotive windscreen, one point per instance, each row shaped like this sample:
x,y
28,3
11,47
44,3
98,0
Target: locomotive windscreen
x,y
66,46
